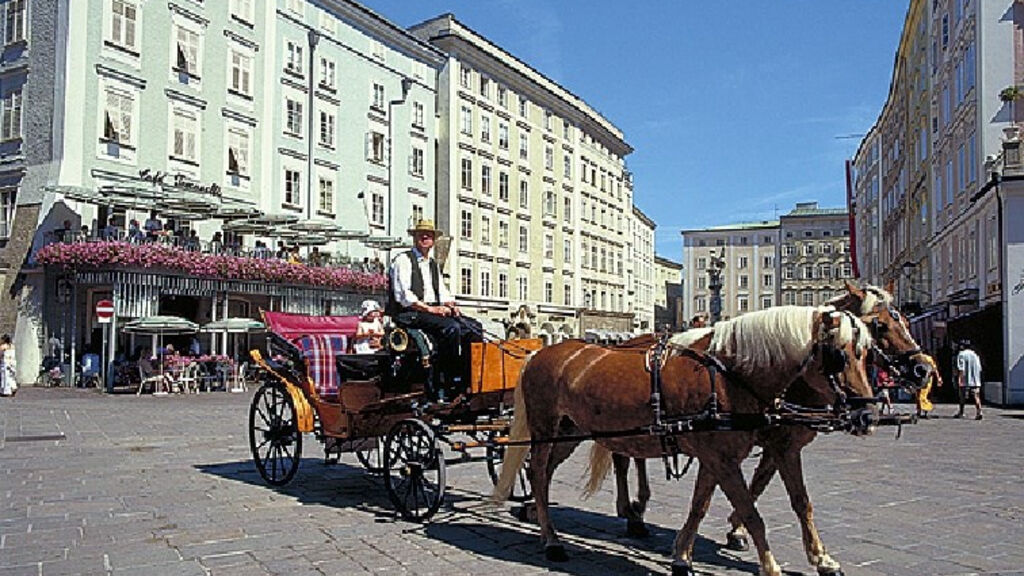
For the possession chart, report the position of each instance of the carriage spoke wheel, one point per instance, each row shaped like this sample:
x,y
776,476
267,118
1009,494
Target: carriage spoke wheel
x,y
521,489
372,459
274,437
414,470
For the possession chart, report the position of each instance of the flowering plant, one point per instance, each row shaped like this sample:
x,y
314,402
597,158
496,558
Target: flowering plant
x,y
166,257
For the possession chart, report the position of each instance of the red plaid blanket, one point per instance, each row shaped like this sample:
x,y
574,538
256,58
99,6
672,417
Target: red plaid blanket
x,y
320,352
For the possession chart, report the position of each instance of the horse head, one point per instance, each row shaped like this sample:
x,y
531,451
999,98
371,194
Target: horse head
x,y
895,348
841,355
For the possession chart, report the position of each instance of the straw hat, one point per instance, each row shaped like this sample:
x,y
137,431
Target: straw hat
x,y
424,226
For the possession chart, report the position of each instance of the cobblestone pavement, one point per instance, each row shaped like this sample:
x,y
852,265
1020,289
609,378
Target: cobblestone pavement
x,y
166,486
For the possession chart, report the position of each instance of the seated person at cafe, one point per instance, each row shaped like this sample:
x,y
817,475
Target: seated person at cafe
x,y
419,299
315,257
153,227
65,233
192,242
293,255
135,232
370,330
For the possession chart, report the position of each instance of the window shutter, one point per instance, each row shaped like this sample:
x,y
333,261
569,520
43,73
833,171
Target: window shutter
x,y
182,59
232,162
109,132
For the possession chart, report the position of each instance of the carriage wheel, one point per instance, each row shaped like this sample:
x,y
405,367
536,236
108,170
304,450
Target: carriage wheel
x,y
521,490
274,437
372,458
414,470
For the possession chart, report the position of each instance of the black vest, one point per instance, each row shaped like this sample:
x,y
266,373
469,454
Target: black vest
x,y
417,284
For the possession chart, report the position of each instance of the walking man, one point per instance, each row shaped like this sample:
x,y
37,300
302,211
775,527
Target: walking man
x,y
968,376
419,299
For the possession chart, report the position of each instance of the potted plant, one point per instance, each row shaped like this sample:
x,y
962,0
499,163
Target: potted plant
x,y
1010,95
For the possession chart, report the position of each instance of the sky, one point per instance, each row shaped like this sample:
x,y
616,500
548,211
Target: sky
x,y
735,110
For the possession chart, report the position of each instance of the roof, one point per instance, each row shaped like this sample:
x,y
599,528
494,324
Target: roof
x,y
801,210
661,260
738,226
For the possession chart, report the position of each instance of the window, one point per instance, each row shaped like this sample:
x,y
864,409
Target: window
x,y
241,73
485,282
467,174
10,127
549,246
119,117
124,20
549,158
238,152
327,73
8,204
485,129
485,180
503,231
293,117
567,295
464,76
766,302
768,281
741,304
485,86
825,271
808,249
14,21
503,186
503,136
787,272
567,251
186,131
702,263
742,262
549,203
377,209
768,261
417,114
524,146
702,283
744,282
548,291
502,285
502,96
524,287
326,129
417,213
524,239
375,147
293,61
466,225
808,298
187,53
466,280
826,248
567,166
378,97
524,194
416,169
326,198
808,272
789,298
485,229
567,209
292,187
466,121
242,10
700,304
524,106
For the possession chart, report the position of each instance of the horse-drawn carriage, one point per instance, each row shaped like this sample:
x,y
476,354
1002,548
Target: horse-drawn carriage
x,y
376,405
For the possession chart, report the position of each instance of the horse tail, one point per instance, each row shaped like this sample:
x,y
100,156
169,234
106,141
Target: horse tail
x,y
600,463
515,455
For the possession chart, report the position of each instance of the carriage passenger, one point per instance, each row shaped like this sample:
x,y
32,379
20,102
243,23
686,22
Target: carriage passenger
x,y
370,330
419,299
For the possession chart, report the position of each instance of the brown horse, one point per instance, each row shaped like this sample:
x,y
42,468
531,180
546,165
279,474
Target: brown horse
x,y
573,390
782,444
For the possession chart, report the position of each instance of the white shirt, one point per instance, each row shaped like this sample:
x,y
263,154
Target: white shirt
x,y
401,280
968,364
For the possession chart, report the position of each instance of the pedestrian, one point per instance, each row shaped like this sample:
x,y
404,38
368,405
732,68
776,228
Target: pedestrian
x,y
968,377
924,405
883,382
8,367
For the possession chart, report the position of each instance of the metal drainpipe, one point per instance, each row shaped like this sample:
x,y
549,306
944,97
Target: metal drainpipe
x,y
314,38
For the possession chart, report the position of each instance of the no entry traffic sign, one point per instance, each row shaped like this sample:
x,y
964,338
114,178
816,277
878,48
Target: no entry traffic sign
x,y
104,310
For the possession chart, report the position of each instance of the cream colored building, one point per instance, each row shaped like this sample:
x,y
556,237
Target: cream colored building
x,y
749,279
814,254
668,293
642,272
533,189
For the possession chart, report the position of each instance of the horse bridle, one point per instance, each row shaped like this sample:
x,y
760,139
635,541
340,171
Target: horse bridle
x,y
899,363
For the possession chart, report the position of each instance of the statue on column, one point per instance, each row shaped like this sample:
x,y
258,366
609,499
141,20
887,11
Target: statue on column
x,y
715,266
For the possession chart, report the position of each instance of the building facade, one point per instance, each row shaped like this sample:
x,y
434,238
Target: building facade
x,y
533,191
814,254
935,175
668,294
750,276
642,273
323,112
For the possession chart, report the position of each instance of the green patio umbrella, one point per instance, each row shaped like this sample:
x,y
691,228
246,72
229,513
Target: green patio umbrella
x,y
160,326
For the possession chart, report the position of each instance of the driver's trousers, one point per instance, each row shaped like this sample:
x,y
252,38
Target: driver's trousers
x,y
452,336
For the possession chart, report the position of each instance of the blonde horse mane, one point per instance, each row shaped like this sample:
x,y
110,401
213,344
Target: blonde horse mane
x,y
779,337
873,295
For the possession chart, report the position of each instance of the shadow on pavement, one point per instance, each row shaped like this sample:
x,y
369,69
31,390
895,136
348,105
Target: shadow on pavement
x,y
337,485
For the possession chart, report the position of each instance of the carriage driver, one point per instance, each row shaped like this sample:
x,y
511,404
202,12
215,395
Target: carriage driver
x,y
419,299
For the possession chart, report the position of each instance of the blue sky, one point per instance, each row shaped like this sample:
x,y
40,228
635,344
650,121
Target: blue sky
x,y
735,110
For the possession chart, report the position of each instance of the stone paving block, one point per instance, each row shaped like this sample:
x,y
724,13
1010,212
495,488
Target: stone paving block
x,y
179,568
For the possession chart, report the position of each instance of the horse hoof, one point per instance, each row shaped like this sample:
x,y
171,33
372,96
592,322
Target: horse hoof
x,y
737,543
637,507
637,529
555,553
682,568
